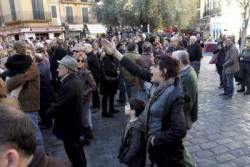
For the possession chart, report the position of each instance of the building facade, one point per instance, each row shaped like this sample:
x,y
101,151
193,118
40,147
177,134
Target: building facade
x,y
220,17
44,19
75,14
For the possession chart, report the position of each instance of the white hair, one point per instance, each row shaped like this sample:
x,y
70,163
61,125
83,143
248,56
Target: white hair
x,y
193,39
181,56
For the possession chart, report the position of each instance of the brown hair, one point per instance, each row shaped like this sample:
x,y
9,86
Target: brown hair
x,y
17,131
169,66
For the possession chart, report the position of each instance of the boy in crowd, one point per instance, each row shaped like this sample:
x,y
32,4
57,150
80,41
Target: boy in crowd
x,y
133,147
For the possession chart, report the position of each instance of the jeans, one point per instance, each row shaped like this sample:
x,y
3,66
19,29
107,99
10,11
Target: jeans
x,y
142,95
105,99
39,137
96,98
132,91
228,84
122,90
196,65
87,115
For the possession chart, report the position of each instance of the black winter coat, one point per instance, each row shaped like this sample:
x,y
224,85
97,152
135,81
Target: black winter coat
x,y
168,144
94,66
46,96
58,54
67,111
195,52
109,82
221,57
133,146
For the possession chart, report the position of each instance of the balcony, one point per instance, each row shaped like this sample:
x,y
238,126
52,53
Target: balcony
x,y
27,16
90,2
76,20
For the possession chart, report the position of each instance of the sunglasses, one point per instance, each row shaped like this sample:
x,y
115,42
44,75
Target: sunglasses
x,y
80,61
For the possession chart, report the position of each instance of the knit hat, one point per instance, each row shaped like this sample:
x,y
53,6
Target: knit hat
x,y
69,62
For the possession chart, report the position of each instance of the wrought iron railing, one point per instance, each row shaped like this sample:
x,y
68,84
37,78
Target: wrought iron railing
x,y
28,15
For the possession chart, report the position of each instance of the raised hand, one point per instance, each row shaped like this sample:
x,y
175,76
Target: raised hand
x,y
109,47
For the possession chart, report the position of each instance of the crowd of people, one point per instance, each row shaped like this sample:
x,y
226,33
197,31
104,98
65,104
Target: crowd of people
x,y
60,84
231,63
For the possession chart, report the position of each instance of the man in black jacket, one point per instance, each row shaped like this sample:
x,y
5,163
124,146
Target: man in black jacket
x,y
195,54
58,53
68,111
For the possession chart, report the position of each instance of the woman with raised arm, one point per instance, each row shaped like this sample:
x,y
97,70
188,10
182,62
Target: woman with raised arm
x,y
164,117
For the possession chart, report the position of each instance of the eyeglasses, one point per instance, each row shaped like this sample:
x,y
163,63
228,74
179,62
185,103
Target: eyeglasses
x,y
80,61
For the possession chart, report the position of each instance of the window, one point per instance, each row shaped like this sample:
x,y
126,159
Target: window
x,y
38,10
1,20
85,16
69,12
53,12
13,9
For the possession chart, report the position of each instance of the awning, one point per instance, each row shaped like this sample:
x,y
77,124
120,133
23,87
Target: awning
x,y
96,28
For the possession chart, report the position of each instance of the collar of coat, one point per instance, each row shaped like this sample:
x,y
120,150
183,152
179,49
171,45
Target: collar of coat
x,y
67,78
184,70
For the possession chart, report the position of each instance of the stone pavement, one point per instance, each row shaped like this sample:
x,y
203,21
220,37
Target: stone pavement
x,y
220,138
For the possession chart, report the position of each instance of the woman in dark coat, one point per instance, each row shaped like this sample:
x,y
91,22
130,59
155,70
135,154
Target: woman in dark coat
x,y
220,61
245,69
109,84
164,117
46,96
89,86
94,67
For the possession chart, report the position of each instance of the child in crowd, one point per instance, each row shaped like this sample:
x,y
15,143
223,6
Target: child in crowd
x,y
133,147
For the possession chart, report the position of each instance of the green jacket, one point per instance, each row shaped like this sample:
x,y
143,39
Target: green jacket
x,y
130,79
189,82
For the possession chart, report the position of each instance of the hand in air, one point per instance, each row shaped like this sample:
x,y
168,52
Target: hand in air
x,y
109,47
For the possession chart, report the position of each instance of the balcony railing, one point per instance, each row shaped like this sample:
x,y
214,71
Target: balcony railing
x,y
78,19
80,1
27,16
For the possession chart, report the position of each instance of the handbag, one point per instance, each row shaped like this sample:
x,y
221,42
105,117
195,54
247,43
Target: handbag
x,y
214,59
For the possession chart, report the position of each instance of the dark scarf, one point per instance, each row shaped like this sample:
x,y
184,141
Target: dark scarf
x,y
17,64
